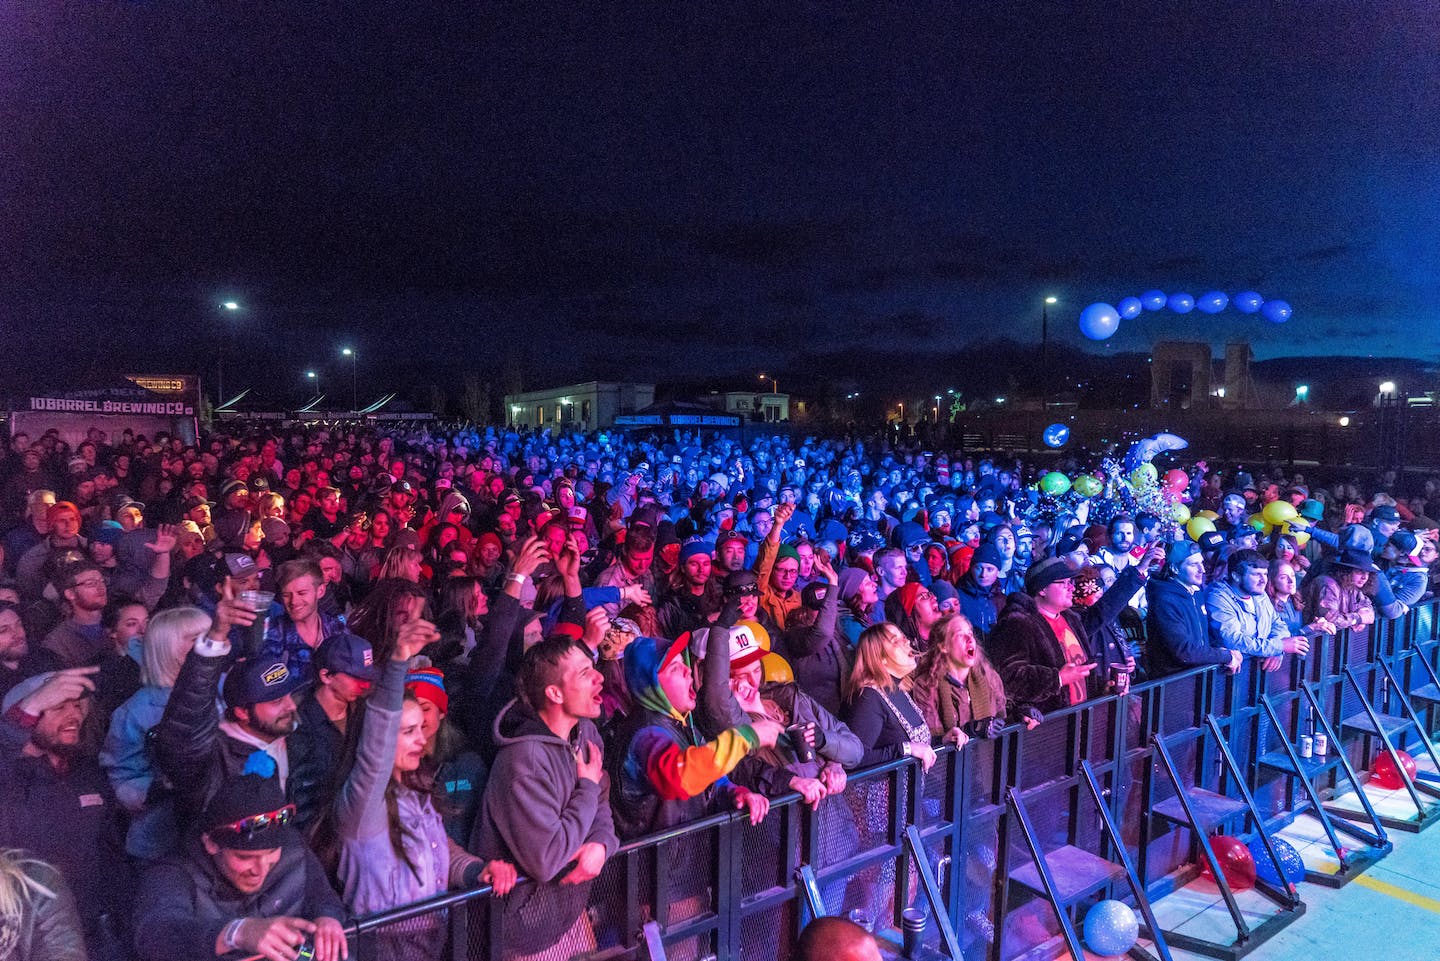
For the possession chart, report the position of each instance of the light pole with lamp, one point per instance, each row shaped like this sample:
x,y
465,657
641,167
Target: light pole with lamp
x,y
354,379
230,306
1045,353
315,378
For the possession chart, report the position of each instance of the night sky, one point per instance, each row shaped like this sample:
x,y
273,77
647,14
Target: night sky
x,y
666,190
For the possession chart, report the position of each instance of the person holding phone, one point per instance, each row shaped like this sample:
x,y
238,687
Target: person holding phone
x,y
1040,646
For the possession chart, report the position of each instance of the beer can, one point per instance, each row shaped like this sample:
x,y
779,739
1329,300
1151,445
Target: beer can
x,y
1307,745
1322,745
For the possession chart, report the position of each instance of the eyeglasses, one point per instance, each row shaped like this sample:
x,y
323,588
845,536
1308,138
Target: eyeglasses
x,y
249,827
91,582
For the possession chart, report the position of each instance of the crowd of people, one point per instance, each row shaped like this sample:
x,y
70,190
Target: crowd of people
x,y
260,685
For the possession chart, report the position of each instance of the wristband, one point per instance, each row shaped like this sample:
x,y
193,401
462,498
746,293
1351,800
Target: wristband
x,y
517,578
231,934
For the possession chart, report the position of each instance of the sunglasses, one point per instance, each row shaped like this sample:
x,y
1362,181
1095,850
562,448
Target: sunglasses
x,y
249,827
748,591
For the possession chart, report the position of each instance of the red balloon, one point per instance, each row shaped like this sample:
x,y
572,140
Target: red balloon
x,y
1176,479
1236,862
1383,773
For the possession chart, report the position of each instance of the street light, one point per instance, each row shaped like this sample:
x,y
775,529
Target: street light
x,y
354,379
1302,393
937,408
229,305
1045,352
774,384
1387,387
315,377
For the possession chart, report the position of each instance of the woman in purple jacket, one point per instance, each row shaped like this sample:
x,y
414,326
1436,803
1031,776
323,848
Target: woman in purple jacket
x,y
393,849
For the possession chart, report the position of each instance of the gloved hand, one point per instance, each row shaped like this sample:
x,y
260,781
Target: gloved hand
x,y
983,727
1033,713
729,613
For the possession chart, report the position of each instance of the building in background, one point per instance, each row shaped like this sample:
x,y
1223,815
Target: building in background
x,y
771,408
593,405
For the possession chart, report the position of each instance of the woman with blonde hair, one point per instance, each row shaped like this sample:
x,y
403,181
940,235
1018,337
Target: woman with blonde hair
x,y
168,639
38,920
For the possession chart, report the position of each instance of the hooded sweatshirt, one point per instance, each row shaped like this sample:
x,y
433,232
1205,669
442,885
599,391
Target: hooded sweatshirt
x,y
537,813
668,774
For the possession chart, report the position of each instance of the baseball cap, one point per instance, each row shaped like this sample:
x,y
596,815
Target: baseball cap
x,y
748,644
728,536
195,501
345,653
257,680
1386,513
240,565
1181,551
230,487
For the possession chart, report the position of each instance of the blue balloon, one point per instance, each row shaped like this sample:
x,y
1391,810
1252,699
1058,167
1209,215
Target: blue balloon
x,y
1153,299
1275,311
1056,435
1213,302
1181,303
1111,928
1130,308
1099,321
1292,866
1248,302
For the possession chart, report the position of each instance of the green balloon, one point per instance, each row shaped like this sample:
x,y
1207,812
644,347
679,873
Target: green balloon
x,y
1055,483
1087,485
1144,475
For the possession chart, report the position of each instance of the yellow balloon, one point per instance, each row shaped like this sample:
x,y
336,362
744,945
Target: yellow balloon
x,y
1179,513
776,668
1278,512
1256,521
1208,515
1301,538
1199,526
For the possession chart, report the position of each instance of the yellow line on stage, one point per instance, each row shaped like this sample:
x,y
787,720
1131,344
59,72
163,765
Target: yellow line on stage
x,y
1399,893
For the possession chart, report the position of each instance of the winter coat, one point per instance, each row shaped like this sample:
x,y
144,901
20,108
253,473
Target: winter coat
x,y
127,760
373,877
1177,629
50,929
185,902
818,657
1029,656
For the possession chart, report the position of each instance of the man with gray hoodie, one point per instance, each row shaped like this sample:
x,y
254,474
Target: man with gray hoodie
x,y
547,804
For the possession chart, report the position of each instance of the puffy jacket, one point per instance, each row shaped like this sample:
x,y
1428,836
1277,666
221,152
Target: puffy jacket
x,y
127,760
185,903
315,750
191,750
978,605
50,930
665,773
817,655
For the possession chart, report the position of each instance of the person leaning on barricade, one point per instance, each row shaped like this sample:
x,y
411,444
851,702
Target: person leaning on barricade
x,y
1177,627
245,885
547,806
1244,619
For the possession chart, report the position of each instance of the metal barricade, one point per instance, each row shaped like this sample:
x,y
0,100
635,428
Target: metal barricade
x,y
721,888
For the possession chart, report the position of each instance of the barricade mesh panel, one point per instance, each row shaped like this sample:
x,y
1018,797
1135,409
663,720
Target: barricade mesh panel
x,y
752,913
768,933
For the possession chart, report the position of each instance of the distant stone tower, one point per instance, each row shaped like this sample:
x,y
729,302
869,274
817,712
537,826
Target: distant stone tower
x,y
1239,387
1180,375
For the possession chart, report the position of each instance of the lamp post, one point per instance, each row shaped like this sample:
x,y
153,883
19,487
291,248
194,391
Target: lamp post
x,y
774,384
315,378
1045,353
228,305
354,379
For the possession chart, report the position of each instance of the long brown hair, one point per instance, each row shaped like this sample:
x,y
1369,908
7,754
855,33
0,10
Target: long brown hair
x,y
869,669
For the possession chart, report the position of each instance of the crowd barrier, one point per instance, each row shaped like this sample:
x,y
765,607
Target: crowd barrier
x,y
1003,842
